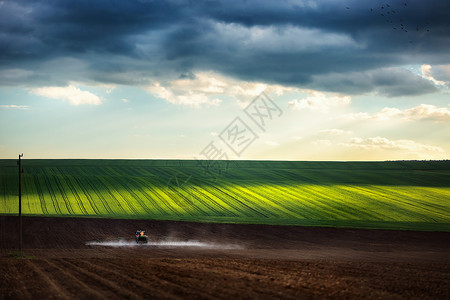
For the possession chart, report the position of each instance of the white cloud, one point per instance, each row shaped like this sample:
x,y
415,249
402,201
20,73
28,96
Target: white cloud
x,y
13,106
272,143
318,101
108,87
335,131
385,114
322,143
381,143
441,73
183,96
204,87
431,112
421,112
428,74
213,133
70,93
125,100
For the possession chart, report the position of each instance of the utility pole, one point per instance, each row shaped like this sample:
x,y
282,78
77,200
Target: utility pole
x,y
20,203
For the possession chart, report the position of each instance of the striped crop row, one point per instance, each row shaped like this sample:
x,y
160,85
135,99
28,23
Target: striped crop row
x,y
256,192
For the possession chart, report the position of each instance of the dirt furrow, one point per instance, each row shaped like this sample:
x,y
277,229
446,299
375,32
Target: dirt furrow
x,y
13,283
53,287
137,271
227,280
187,281
277,262
110,280
72,283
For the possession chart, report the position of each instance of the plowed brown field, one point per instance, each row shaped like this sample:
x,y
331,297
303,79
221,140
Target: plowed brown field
x,y
219,261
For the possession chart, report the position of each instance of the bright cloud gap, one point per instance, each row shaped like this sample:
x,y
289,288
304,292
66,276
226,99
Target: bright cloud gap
x,y
13,106
72,94
421,112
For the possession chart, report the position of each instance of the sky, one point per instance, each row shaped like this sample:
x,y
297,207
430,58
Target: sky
x,y
274,80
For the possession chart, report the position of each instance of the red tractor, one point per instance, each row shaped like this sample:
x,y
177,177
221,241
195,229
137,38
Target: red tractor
x,y
141,237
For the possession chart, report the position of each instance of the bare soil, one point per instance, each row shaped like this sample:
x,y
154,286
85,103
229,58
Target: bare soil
x,y
224,261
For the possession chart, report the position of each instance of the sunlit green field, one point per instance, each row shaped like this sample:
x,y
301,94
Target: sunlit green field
x,y
391,195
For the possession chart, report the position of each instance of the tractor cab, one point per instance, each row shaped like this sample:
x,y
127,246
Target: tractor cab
x,y
141,237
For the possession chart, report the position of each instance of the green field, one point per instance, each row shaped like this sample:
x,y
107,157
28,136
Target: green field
x,y
392,195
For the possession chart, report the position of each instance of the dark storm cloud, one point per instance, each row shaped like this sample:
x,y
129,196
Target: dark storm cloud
x,y
390,82
315,44
41,29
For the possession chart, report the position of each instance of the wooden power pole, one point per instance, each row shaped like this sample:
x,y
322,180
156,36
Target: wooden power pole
x,y
20,203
